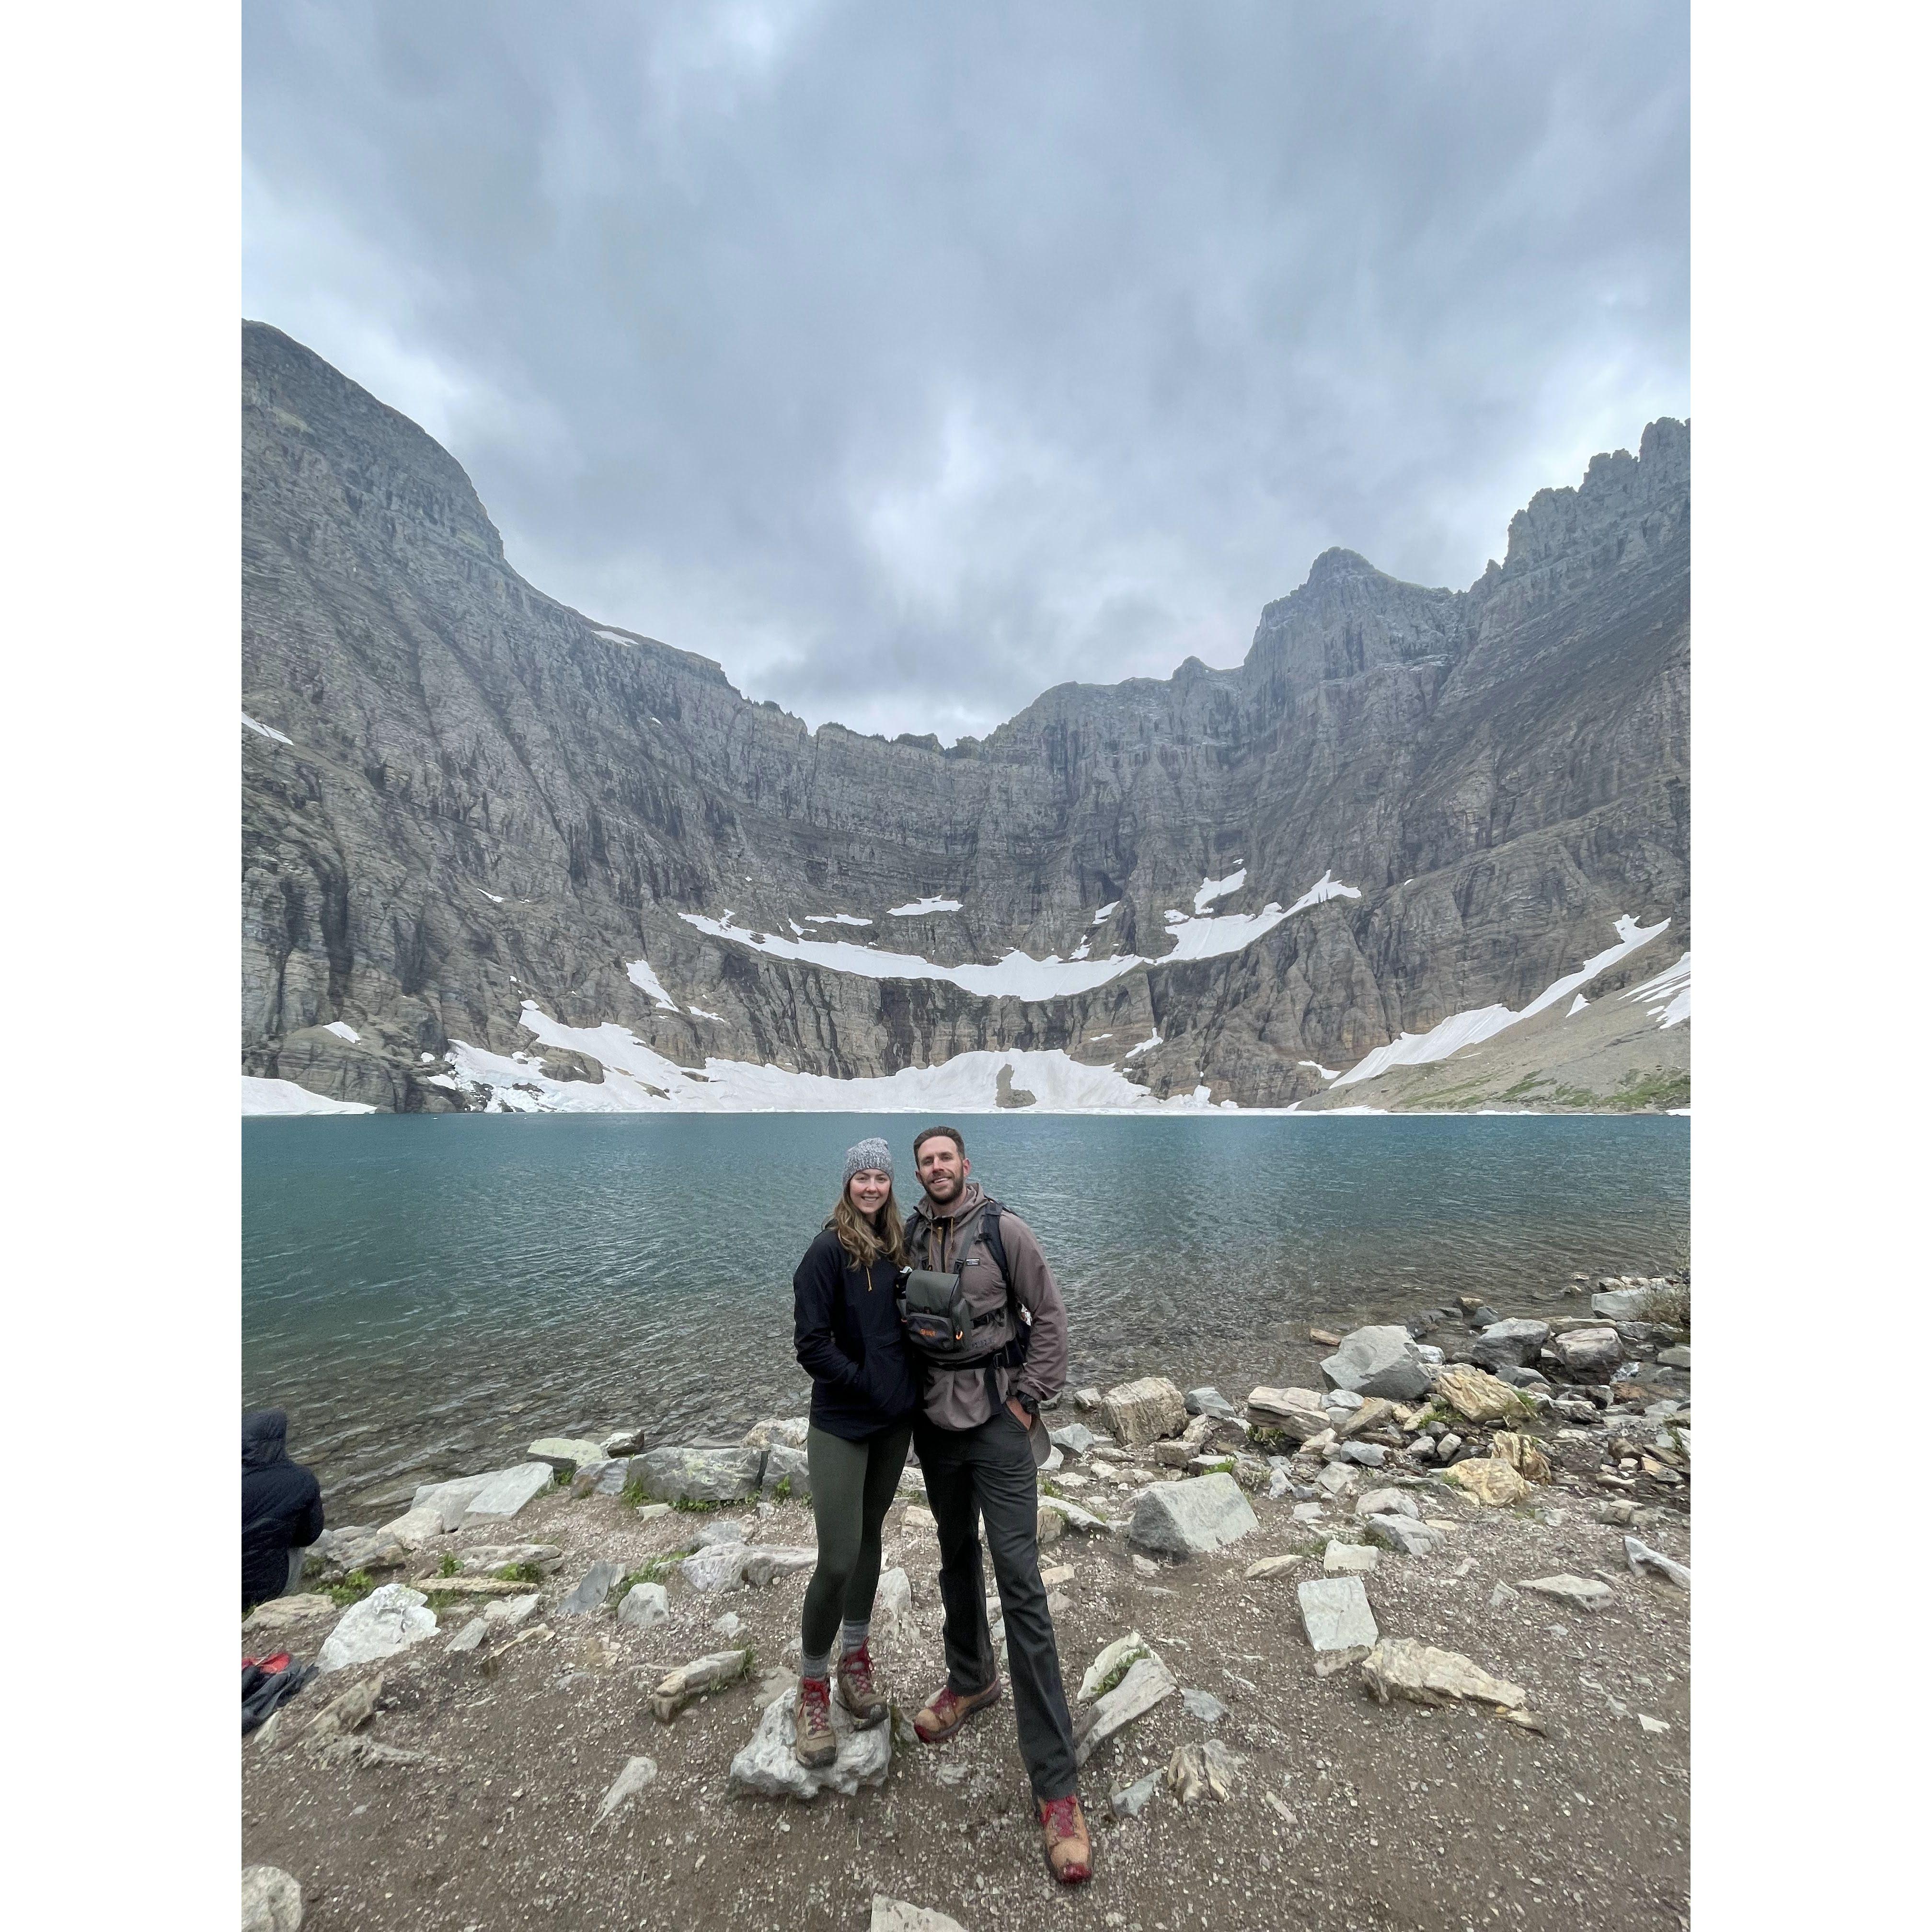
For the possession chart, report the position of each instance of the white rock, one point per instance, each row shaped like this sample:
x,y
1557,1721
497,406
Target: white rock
x,y
768,1766
728,1625
416,1527
1140,1412
1401,1667
1146,1685
1192,1517
508,1611
892,1601
1336,1479
507,1492
1350,1559
717,1568
451,1499
1643,1559
1403,1533
271,1900
644,1606
1581,1593
1387,1502
763,1562
894,1915
470,1635
1378,1361
565,1453
1297,1412
1335,1613
1122,1649
1076,1439
637,1772
386,1621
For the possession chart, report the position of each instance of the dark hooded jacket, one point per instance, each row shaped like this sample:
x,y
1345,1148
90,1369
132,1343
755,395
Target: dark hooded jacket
x,y
281,1506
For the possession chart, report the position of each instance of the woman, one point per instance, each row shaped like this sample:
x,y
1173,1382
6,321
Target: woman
x,y
865,1390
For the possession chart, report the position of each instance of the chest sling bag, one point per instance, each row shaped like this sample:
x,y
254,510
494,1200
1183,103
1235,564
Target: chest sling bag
x,y
939,1325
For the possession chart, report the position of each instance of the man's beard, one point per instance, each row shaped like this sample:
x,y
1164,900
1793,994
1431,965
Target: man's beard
x,y
945,1188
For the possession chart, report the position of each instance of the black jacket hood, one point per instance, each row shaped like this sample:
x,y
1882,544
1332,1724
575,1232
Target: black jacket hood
x,y
264,1438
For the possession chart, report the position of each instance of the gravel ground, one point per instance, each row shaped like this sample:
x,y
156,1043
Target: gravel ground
x,y
1342,1812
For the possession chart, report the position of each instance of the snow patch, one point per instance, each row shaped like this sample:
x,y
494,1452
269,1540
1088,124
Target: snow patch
x,y
646,981
1667,997
284,1097
1324,888
266,730
343,1030
638,1080
1326,1073
1576,1006
495,899
1147,1045
615,637
919,906
1106,912
829,918
1466,1029
699,1013
1212,889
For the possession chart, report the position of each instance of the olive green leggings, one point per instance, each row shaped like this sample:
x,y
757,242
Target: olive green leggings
x,y
853,1485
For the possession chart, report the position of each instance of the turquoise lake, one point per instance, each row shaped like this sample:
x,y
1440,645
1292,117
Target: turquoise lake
x,y
426,1295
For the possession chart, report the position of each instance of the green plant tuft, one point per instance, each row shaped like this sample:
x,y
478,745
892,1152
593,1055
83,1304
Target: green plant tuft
x,y
352,1589
449,1567
518,1573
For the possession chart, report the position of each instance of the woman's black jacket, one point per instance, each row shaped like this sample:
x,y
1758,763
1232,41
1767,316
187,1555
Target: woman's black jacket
x,y
845,1326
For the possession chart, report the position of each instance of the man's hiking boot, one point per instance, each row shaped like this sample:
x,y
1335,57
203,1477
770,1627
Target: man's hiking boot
x,y
818,1743
1069,1851
857,1691
947,1711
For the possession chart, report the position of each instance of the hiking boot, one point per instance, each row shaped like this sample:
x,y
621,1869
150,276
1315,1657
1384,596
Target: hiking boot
x,y
947,1711
818,1743
1069,1851
857,1691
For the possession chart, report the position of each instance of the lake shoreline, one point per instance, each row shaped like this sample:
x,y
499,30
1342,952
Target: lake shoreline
x,y
456,1782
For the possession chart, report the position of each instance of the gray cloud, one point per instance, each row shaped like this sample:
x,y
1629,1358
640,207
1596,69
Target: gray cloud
x,y
909,360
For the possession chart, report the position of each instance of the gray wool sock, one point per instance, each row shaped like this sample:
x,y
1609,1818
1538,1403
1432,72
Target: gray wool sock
x,y
852,1636
819,1667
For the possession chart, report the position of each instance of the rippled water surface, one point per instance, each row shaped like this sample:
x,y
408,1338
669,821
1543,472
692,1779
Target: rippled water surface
x,y
426,1295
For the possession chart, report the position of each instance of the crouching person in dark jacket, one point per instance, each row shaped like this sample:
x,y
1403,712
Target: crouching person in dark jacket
x,y
281,1508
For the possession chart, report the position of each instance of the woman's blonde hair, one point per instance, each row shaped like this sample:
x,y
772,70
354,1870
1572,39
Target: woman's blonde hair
x,y
863,1243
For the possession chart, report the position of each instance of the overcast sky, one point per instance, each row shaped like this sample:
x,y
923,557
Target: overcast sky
x,y
909,359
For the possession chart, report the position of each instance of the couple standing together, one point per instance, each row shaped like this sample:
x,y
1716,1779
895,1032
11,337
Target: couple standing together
x,y
957,1363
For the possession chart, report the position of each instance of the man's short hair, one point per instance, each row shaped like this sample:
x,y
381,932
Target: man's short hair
x,y
925,1134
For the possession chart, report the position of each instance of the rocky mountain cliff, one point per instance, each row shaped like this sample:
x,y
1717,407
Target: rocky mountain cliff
x,y
478,825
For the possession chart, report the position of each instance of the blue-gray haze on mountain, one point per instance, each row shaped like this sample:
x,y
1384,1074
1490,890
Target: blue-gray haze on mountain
x,y
477,796
908,361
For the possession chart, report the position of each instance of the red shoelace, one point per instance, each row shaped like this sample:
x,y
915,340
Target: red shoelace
x,y
1061,1818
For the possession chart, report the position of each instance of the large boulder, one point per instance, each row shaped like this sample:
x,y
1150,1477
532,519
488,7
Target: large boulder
x,y
1508,1344
1141,1412
769,1767
1378,1361
1076,1439
507,1492
451,1499
385,1622
787,1431
1296,1412
1191,1517
698,1475
1209,1401
1586,1354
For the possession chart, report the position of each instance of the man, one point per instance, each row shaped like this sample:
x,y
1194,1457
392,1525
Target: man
x,y
973,1435
281,1509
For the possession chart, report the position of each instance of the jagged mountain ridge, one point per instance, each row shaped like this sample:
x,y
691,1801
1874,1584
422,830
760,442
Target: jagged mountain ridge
x,y
488,797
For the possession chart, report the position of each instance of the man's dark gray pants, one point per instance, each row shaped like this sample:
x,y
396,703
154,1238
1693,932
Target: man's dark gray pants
x,y
988,1472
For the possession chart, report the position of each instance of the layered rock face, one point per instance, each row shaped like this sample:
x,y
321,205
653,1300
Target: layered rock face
x,y
486,799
